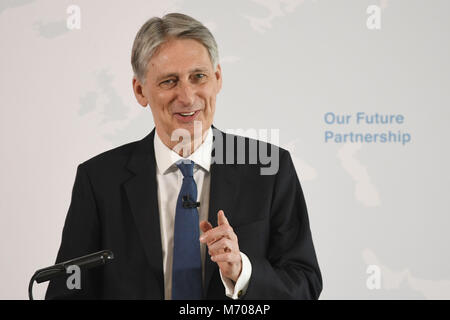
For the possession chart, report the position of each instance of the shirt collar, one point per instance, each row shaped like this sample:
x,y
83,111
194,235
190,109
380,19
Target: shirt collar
x,y
166,157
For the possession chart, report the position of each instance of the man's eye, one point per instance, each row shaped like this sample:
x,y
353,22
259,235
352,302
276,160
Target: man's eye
x,y
168,83
200,76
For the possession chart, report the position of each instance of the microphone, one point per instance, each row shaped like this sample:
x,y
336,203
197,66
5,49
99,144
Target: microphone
x,y
85,262
189,204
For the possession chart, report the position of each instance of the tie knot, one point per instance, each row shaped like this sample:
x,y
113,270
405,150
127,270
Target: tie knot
x,y
186,167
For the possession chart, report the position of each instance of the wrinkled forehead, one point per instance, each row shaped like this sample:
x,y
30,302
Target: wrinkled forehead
x,y
180,56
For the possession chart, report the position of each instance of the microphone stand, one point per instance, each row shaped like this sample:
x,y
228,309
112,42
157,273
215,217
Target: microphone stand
x,y
86,262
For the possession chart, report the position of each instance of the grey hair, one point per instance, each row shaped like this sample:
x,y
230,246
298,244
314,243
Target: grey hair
x,y
157,30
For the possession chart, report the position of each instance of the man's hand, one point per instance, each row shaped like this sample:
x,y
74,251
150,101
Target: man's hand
x,y
223,246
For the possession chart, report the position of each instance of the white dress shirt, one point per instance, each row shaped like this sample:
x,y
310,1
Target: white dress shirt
x,y
169,179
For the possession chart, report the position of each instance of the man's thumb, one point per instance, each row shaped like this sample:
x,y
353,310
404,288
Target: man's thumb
x,y
205,226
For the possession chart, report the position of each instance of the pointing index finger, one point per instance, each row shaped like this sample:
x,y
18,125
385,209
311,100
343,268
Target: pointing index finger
x,y
221,219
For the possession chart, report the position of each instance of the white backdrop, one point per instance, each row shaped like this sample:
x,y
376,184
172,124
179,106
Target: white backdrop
x,y
379,210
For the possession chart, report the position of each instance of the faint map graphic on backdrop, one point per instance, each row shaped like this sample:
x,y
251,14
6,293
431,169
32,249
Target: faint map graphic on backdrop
x,y
281,8
365,192
105,97
304,170
392,280
8,4
276,9
51,29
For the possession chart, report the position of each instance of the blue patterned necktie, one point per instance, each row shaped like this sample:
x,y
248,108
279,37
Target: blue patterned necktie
x,y
187,266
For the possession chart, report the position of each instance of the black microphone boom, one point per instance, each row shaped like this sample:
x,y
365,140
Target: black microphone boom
x,y
85,262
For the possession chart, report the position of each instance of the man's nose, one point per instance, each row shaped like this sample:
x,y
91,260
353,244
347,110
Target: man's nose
x,y
185,94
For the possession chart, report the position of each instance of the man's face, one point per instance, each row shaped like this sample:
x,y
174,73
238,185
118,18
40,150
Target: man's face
x,y
181,87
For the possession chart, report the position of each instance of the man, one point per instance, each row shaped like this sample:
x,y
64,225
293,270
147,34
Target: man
x,y
184,217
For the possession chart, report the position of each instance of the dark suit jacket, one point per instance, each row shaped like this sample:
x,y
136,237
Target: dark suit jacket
x,y
114,206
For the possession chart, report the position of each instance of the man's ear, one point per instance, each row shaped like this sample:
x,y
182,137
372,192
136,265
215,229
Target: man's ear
x,y
138,90
218,74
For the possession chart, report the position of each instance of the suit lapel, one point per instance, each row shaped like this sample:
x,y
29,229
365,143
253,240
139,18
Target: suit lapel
x,y
142,194
224,186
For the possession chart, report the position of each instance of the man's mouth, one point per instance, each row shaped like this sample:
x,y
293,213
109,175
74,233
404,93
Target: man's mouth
x,y
187,116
